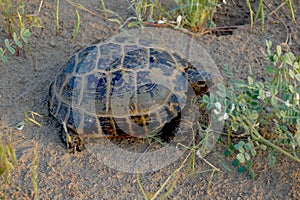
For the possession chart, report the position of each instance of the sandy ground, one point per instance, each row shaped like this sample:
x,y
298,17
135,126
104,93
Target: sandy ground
x,y
24,87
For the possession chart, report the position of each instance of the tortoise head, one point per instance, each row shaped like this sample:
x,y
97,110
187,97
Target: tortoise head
x,y
199,80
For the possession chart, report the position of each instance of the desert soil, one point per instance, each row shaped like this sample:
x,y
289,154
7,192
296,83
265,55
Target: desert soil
x,y
24,86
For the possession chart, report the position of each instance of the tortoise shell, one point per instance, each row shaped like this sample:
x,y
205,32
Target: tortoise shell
x,y
121,87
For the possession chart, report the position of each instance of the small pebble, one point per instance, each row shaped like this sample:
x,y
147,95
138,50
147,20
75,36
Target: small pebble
x,y
52,43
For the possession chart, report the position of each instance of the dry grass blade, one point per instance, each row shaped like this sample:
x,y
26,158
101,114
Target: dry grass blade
x,y
57,17
34,172
31,120
8,160
81,7
77,25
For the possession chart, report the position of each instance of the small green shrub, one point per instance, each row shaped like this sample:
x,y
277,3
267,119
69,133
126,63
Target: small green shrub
x,y
267,113
8,161
195,14
18,24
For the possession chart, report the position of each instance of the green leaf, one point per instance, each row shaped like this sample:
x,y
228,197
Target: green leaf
x,y
221,90
240,157
221,87
273,90
291,88
296,64
4,58
254,104
260,85
279,50
269,45
248,93
234,126
249,164
247,156
241,150
282,113
297,137
253,152
239,145
1,51
248,146
241,169
6,42
251,173
270,69
263,147
255,97
250,80
25,33
275,57
274,101
227,153
9,47
209,106
291,73
262,95
290,58
272,158
231,146
283,127
12,50
240,84
18,43
221,94
24,39
254,115
205,99
212,97
235,163
297,76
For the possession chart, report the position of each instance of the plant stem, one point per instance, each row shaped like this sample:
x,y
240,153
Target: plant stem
x,y
57,17
260,138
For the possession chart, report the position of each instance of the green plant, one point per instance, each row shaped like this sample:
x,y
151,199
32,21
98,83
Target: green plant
x,y
18,24
15,43
198,14
195,14
267,113
260,12
8,161
170,182
78,7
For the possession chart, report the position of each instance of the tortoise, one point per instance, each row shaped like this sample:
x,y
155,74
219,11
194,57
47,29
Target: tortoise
x,y
121,87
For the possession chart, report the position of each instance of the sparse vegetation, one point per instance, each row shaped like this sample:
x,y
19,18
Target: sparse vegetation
x,y
261,13
193,14
258,116
8,162
18,23
8,159
263,115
